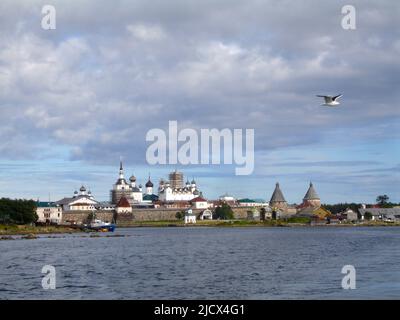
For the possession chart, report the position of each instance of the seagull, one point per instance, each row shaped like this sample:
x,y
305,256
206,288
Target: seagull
x,y
330,100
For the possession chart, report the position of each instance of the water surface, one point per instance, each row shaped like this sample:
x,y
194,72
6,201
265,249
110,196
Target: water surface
x,y
206,263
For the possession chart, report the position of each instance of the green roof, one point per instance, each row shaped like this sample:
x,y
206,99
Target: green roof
x,y
246,200
44,204
150,197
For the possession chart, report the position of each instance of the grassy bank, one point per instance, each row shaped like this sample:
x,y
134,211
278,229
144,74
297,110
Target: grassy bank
x,y
27,229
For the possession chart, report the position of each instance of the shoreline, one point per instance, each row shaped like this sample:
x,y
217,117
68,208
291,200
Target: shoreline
x,y
30,232
25,230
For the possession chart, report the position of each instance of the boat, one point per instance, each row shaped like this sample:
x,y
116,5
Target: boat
x,y
101,226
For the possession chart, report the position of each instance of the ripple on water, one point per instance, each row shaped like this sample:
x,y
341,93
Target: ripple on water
x,y
213,263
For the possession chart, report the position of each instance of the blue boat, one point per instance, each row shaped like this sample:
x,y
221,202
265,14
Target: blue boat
x,y
101,226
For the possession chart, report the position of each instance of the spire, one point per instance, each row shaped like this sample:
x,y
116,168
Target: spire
x,y
277,195
121,169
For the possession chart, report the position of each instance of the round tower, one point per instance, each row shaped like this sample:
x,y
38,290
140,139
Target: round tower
x,y
277,199
311,197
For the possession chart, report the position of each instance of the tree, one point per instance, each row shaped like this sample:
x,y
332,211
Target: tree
x,y
91,216
382,199
224,212
17,211
340,207
180,215
368,215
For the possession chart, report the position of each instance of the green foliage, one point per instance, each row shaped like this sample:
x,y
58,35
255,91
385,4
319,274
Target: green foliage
x,y
17,211
91,216
340,207
180,215
382,199
389,205
304,220
368,215
224,212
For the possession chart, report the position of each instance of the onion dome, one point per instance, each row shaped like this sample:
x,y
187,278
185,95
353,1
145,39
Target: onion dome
x,y
193,182
132,178
82,189
140,186
149,184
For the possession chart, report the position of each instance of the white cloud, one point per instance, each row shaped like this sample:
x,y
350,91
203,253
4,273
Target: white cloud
x,y
146,33
100,76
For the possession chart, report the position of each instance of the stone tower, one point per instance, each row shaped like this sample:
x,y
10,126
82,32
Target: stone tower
x,y
277,199
176,179
311,197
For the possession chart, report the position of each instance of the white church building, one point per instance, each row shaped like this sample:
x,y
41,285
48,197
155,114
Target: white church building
x,y
181,193
82,201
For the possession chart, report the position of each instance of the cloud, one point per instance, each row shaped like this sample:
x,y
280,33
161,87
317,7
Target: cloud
x,y
146,33
325,164
112,71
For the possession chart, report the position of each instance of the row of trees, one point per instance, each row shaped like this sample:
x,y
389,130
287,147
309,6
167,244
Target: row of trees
x,y
381,200
17,211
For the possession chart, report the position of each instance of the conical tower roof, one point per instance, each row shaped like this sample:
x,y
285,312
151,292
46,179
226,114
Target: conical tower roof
x,y
311,193
277,196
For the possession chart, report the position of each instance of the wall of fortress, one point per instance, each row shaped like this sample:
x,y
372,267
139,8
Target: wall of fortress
x,y
159,214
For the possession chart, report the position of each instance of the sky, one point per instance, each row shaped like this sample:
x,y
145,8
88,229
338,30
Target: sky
x,y
76,99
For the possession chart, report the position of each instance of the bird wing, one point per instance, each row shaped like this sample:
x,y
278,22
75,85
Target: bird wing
x,y
336,97
328,99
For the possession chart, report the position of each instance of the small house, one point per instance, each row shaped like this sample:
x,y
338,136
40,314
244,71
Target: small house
x,y
48,212
190,217
206,215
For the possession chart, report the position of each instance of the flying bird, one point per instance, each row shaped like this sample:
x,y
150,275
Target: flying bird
x,y
330,100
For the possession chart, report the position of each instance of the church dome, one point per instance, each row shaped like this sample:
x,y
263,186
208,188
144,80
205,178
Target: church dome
x,y
82,189
149,184
132,178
